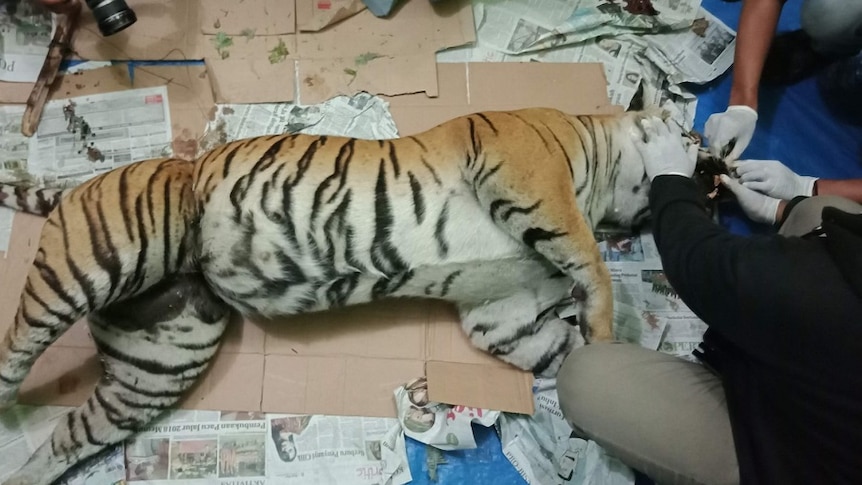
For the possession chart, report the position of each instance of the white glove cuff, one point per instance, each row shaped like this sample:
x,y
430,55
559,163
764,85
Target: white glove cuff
x,y
771,210
807,185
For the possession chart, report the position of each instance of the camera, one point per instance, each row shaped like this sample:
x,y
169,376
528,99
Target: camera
x,y
112,15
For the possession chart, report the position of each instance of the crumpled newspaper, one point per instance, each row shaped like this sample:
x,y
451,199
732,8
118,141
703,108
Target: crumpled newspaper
x,y
442,426
545,451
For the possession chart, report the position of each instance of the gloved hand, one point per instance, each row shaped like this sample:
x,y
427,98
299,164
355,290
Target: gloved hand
x,y
729,133
662,151
772,178
758,207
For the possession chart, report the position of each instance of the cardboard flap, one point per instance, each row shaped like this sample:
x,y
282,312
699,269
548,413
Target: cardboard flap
x,y
480,386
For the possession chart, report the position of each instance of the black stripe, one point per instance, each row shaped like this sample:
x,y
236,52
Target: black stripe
x,y
50,278
520,210
418,142
138,405
136,279
70,424
431,169
125,212
481,327
9,380
228,161
549,356
531,125
150,190
447,282
385,286
489,174
89,431
107,254
496,206
393,158
485,118
144,392
439,229
418,201
166,227
340,290
384,255
477,145
62,317
534,235
345,153
149,366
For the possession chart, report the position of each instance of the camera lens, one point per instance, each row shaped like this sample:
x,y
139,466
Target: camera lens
x,y
112,15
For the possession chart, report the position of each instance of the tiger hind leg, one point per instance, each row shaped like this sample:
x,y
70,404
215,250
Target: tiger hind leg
x,y
523,329
153,347
541,211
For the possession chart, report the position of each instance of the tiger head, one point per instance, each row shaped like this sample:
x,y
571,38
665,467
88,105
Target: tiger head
x,y
630,191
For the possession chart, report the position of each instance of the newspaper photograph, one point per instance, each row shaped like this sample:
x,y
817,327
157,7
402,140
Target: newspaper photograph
x,y
361,116
225,448
545,451
516,27
442,426
25,34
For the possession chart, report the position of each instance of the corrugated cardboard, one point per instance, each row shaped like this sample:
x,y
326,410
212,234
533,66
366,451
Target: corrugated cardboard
x,y
343,362
323,43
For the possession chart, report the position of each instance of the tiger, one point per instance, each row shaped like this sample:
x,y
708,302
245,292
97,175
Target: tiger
x,y
493,212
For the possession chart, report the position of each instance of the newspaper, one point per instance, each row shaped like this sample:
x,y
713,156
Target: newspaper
x,y
442,426
82,137
545,450
226,448
25,34
647,310
516,27
643,69
361,116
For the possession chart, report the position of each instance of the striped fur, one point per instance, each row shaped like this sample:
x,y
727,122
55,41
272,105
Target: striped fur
x,y
30,200
493,212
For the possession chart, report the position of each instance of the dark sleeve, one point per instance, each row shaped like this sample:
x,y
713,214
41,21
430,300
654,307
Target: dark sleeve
x,y
699,257
749,289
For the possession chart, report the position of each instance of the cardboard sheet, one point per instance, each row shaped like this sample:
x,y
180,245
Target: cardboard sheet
x,y
255,49
343,362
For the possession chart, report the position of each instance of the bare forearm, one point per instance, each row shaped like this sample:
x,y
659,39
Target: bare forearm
x,y
757,24
847,188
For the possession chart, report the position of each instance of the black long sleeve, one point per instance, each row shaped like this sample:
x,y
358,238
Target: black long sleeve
x,y
785,334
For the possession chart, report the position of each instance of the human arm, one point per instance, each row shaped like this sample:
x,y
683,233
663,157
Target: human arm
x,y
730,132
847,188
757,23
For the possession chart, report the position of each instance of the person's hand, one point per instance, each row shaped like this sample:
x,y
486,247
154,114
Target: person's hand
x,y
758,207
729,133
661,148
772,178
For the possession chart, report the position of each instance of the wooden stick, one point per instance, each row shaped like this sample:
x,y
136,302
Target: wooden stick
x,y
60,47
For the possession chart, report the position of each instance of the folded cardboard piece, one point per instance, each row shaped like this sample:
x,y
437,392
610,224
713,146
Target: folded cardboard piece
x,y
344,362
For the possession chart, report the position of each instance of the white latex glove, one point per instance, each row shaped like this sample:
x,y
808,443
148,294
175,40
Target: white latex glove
x,y
758,207
772,178
661,149
729,133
